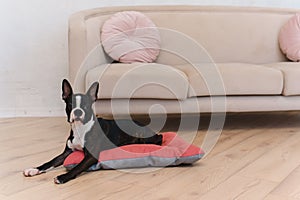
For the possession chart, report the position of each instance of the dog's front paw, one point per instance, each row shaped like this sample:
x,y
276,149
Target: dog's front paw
x,y
31,172
62,179
57,181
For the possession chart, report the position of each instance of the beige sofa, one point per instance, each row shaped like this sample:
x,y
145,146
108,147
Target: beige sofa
x,y
212,59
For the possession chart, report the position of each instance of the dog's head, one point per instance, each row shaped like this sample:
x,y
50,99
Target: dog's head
x,y
79,106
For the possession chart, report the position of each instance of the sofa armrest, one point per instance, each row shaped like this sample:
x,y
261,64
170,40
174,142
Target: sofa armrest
x,y
81,57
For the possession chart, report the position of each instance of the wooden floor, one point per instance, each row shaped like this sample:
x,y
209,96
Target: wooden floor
x,y
256,157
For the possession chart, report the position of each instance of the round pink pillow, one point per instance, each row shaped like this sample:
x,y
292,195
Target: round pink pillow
x,y
129,37
289,38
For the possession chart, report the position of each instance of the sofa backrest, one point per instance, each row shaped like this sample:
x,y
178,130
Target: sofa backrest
x,y
228,34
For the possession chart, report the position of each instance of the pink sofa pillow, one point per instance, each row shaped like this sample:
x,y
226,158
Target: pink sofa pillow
x,y
289,38
129,37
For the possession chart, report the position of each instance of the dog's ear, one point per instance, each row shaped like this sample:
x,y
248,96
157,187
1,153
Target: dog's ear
x,y
66,89
93,91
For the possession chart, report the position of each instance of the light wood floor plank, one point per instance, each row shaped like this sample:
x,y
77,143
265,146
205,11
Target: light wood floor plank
x,y
290,187
239,188
278,163
278,197
256,157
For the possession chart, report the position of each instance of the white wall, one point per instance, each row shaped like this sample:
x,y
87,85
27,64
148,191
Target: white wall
x,y
33,53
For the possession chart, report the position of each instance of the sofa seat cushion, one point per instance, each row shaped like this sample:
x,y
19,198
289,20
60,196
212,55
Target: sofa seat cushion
x,y
139,80
237,79
291,73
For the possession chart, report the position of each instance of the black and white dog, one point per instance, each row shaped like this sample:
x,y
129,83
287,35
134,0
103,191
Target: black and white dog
x,y
91,134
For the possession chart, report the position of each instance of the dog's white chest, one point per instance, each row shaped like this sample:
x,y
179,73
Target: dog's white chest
x,y
79,132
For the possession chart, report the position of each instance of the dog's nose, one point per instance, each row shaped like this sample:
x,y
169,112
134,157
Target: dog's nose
x,y
78,113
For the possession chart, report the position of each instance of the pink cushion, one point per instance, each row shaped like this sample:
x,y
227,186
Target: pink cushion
x,y
289,38
129,37
173,151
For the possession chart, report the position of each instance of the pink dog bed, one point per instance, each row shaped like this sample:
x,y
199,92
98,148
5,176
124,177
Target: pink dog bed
x,y
174,151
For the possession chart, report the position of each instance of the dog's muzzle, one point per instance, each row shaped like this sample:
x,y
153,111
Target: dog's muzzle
x,y
77,115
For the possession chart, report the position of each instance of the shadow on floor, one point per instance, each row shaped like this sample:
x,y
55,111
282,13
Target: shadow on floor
x,y
232,121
